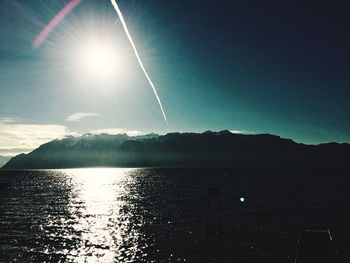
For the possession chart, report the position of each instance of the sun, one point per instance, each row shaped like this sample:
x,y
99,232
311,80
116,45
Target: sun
x,y
98,59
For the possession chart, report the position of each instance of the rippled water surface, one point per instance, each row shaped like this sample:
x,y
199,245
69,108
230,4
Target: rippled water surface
x,y
167,215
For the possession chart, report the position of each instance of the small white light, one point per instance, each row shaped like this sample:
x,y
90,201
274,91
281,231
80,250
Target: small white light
x,y
241,199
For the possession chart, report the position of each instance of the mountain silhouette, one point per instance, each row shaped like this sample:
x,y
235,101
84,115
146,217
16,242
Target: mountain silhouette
x,y
179,149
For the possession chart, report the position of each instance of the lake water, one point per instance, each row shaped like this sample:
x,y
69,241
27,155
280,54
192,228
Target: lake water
x,y
167,215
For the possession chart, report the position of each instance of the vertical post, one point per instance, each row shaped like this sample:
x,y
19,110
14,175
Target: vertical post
x,y
214,231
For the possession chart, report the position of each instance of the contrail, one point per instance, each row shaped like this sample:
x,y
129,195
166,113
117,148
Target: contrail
x,y
120,15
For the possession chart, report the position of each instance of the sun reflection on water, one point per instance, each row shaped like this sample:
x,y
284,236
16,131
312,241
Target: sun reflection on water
x,y
96,203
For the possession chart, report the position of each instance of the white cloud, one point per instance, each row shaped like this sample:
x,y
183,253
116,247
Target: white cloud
x,y
78,116
241,132
116,131
18,138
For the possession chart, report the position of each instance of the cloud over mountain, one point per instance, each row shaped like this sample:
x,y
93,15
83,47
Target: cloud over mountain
x,y
78,116
17,137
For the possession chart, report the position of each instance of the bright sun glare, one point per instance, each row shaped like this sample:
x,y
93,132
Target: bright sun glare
x,y
98,59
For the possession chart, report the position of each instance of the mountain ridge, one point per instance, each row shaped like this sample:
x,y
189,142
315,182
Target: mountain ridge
x,y
209,148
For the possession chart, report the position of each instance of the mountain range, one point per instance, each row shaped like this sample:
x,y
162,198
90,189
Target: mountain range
x,y
179,149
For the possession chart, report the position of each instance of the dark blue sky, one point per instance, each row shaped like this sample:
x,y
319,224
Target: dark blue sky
x,y
279,67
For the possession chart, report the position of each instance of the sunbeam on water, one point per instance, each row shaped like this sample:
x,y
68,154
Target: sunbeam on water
x,y
165,215
95,204
98,201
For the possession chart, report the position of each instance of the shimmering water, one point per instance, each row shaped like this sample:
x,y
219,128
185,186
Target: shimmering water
x,y
166,215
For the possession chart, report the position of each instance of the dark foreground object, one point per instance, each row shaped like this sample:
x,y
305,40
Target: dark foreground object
x,y
316,246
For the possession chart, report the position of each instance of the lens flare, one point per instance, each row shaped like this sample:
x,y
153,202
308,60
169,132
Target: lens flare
x,y
54,22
